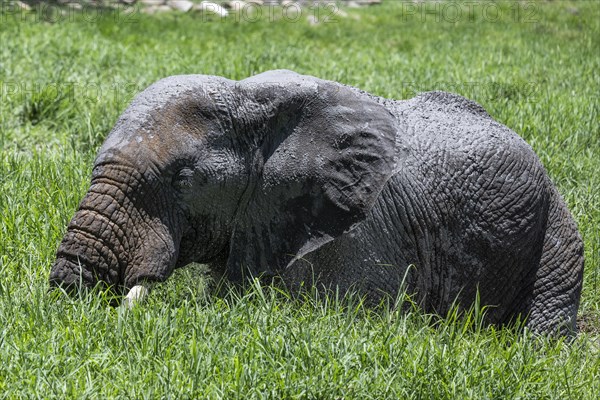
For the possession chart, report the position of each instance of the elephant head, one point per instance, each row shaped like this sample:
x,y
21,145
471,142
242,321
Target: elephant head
x,y
246,176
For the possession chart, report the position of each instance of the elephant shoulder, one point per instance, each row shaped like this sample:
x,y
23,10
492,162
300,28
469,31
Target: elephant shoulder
x,y
448,100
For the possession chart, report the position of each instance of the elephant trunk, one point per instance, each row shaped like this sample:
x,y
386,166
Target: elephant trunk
x,y
95,248
120,236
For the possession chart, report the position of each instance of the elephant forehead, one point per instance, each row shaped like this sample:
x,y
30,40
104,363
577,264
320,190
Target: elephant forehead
x,y
164,115
169,94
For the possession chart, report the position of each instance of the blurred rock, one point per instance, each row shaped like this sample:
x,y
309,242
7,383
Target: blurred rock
x,y
220,7
153,2
180,5
153,9
207,7
22,6
340,13
234,5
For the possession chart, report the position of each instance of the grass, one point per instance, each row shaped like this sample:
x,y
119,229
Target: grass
x,y
63,83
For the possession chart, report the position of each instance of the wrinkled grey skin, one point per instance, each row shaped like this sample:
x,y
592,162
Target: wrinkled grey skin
x,y
316,182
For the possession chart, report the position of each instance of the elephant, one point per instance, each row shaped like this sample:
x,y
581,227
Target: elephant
x,y
315,183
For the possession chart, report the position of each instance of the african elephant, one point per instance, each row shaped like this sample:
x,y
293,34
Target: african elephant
x,y
311,181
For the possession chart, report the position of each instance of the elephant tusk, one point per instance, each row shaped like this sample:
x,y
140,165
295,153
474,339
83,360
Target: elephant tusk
x,y
136,295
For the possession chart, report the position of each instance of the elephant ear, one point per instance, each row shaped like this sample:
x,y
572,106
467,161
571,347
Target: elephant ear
x,y
325,153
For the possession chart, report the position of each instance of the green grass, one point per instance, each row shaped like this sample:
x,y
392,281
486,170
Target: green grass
x,y
64,83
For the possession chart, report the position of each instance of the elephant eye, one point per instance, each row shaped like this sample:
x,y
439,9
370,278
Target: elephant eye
x,y
183,178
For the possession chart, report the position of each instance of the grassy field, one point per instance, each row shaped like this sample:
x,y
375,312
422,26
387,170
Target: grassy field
x,y
65,79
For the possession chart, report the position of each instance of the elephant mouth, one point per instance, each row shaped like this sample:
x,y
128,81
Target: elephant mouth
x,y
69,274
145,279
